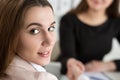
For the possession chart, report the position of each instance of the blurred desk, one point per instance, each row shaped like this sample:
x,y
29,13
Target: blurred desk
x,y
113,75
110,75
54,68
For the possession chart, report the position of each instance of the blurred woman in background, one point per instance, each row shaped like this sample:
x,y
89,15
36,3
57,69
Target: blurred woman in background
x,y
86,35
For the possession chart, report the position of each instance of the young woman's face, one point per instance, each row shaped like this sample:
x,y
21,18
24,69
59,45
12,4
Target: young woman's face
x,y
37,37
98,5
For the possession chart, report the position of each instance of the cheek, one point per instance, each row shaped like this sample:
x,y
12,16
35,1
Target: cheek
x,y
28,45
54,38
90,3
108,4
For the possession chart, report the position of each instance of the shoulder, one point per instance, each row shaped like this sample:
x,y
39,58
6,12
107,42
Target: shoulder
x,y
45,76
23,74
115,25
68,16
21,70
116,20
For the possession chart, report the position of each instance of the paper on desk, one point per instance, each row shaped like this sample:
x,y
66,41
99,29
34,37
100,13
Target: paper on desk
x,y
90,75
96,76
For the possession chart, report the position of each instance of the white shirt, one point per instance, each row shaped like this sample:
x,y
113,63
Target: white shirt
x,y
38,67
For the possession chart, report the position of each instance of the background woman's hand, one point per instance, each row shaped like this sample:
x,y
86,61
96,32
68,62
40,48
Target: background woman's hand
x,y
74,69
99,66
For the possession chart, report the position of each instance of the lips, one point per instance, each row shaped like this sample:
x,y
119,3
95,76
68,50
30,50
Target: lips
x,y
97,2
44,54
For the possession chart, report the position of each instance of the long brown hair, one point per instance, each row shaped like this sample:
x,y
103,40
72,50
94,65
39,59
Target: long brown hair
x,y
12,14
112,10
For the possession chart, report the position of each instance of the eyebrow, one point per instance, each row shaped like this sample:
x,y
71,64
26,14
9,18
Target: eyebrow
x,y
38,24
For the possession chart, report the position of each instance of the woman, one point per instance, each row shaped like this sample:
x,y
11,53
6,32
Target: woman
x,y
27,39
86,35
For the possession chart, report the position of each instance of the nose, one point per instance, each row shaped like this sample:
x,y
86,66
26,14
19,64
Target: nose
x,y
48,40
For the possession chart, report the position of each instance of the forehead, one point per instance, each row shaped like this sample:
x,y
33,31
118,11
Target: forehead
x,y
43,15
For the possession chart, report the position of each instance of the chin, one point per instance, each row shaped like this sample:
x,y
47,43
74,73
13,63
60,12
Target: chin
x,y
45,62
97,8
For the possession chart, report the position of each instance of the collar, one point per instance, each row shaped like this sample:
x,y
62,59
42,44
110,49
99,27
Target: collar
x,y
38,67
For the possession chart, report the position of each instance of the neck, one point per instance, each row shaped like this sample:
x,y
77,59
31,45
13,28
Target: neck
x,y
95,15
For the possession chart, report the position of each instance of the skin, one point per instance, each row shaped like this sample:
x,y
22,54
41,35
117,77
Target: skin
x,y
96,13
74,71
99,5
99,66
37,37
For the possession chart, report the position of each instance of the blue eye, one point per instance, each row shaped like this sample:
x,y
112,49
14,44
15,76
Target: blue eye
x,y
51,29
34,31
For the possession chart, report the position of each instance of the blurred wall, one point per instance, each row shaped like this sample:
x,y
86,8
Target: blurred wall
x,y
60,8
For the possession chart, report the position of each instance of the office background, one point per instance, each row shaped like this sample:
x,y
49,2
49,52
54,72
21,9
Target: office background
x,y
63,6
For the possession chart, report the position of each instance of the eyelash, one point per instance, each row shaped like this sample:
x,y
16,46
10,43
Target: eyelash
x,y
36,31
52,28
